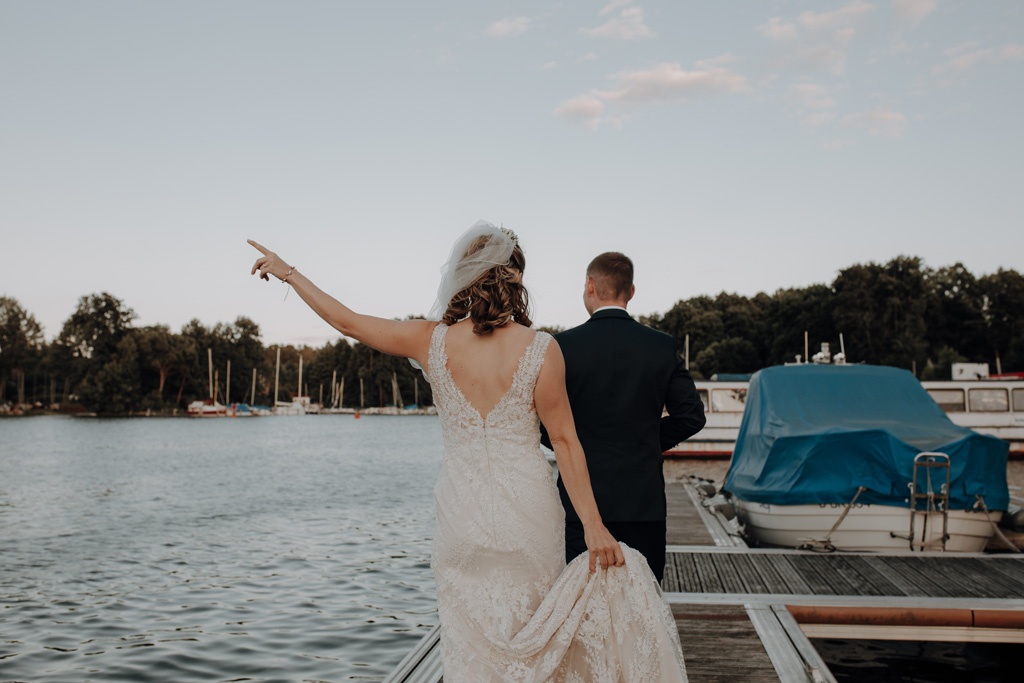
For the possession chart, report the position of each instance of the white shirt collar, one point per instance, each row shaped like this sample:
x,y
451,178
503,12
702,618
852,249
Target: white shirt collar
x,y
607,308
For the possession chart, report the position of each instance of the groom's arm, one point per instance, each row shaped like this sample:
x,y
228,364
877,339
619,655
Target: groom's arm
x,y
685,410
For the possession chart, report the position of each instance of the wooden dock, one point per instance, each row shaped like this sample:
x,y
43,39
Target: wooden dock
x,y
746,614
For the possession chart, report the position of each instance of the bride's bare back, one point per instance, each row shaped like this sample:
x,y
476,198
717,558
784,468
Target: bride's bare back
x,y
483,366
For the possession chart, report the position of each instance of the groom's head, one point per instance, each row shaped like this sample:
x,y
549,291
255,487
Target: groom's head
x,y
609,281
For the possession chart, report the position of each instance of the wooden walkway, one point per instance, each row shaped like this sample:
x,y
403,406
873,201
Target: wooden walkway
x,y
734,606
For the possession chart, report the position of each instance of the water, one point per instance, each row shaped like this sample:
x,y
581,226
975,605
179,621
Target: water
x,y
276,549
257,549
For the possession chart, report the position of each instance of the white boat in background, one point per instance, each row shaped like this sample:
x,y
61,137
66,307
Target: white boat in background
x,y
207,408
299,405
988,406
860,458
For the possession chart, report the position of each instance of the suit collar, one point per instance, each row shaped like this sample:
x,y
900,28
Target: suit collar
x,y
611,313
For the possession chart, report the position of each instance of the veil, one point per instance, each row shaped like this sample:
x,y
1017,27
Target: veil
x,y
462,269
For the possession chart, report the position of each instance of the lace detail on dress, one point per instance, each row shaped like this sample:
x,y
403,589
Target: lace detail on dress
x,y
508,610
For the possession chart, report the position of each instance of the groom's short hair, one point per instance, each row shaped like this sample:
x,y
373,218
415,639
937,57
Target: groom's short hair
x,y
613,275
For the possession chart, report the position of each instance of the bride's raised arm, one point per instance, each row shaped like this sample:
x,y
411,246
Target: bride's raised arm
x,y
406,338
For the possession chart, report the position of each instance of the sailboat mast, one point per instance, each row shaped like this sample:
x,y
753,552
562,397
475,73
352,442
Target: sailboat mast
x,y
227,388
209,365
252,399
277,375
300,374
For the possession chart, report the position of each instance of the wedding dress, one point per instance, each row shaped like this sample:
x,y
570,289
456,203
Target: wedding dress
x,y
510,609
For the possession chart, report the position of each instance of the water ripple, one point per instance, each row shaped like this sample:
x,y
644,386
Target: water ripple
x,y
170,550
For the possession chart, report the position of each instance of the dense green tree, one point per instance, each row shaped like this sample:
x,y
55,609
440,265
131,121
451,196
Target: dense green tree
x,y
699,317
90,350
21,346
791,313
729,355
164,358
881,310
1003,293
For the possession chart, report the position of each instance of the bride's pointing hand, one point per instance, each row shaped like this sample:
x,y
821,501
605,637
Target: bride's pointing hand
x,y
602,548
269,264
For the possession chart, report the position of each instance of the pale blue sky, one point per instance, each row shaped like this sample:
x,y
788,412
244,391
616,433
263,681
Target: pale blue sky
x,y
740,146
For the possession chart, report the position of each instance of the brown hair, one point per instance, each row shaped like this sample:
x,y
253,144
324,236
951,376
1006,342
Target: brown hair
x,y
497,298
613,275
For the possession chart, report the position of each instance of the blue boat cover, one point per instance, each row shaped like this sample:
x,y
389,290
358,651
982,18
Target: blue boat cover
x,y
815,433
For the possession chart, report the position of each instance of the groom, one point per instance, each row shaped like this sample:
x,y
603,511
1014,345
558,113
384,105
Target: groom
x,y
619,375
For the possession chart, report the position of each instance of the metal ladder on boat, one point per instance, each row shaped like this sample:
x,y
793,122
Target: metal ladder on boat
x,y
923,493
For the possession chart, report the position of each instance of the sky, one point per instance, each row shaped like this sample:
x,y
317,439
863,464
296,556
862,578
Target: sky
x,y
738,146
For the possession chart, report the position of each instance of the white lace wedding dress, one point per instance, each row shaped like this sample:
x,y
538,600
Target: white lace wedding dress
x,y
510,609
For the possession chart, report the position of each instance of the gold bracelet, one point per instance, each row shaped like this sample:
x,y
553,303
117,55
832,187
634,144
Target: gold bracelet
x,y
291,269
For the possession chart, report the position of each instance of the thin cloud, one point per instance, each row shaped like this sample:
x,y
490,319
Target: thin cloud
x,y
836,19
817,40
966,56
629,25
1011,52
508,27
778,30
882,122
585,109
664,82
614,5
913,11
670,81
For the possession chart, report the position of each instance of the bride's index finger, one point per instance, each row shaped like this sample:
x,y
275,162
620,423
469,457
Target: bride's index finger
x,y
262,249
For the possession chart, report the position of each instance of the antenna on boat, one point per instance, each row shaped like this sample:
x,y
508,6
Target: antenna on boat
x,y
840,358
807,347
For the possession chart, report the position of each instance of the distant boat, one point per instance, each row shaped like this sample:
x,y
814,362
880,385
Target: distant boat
x,y
207,408
859,457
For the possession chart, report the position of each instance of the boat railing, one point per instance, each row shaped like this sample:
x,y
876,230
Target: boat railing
x,y
922,491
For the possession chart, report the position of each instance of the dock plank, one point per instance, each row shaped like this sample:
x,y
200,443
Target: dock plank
x,y
720,645
868,582
1012,567
876,580
813,569
689,575
749,572
794,583
708,574
683,523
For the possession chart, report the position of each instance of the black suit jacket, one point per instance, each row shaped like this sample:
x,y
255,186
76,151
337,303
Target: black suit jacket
x,y
619,375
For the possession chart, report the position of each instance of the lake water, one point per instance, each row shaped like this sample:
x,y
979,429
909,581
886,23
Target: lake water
x,y
280,549
283,549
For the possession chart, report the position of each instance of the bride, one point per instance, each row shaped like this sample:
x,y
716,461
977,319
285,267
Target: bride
x,y
510,609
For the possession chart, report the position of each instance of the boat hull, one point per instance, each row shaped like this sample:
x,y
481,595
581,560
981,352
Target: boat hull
x,y
867,528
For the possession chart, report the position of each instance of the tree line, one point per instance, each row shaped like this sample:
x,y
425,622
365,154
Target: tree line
x,y
101,363
901,313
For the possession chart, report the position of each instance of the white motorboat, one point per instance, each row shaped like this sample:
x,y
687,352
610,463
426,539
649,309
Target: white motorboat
x,y
860,458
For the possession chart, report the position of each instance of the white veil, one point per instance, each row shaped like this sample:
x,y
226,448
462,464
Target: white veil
x,y
463,269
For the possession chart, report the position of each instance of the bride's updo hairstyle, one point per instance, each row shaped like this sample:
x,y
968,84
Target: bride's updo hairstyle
x,y
497,297
483,280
